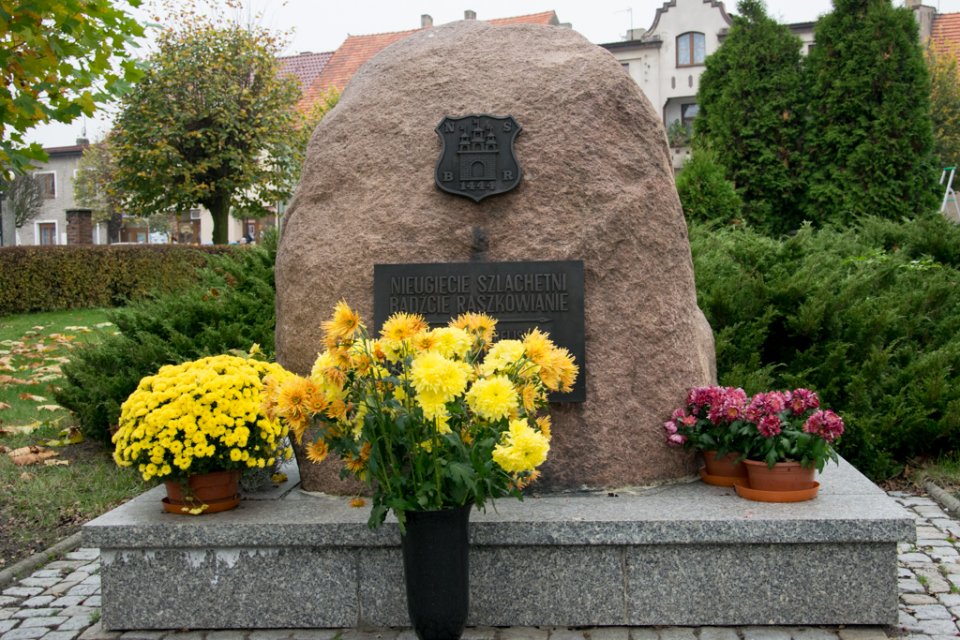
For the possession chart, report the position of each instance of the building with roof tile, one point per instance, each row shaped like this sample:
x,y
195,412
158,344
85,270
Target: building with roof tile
x,y
667,59
356,50
59,220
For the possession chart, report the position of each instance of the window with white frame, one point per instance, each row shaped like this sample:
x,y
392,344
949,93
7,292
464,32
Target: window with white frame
x,y
45,232
691,49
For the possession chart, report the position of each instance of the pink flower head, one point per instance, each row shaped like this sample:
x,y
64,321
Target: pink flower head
x,y
825,424
802,400
765,404
700,398
776,401
769,426
678,414
733,403
670,427
676,439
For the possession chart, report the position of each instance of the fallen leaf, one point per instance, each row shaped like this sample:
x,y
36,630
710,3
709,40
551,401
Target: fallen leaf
x,y
10,380
49,407
30,396
101,325
26,476
23,428
31,455
59,462
70,435
4,449
4,405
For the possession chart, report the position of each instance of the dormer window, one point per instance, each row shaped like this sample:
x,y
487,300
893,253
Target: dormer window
x,y
691,49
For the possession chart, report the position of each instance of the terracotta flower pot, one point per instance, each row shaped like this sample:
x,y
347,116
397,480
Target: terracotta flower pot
x,y
218,490
724,465
784,476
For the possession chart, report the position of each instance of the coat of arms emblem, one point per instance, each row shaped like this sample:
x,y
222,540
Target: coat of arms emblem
x,y
477,157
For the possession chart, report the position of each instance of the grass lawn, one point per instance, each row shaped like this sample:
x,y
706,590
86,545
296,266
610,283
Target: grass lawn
x,y
44,502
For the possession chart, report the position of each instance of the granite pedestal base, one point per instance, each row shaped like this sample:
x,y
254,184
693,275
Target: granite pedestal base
x,y
684,554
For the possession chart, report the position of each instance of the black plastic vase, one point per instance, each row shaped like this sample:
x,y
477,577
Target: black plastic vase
x,y
436,567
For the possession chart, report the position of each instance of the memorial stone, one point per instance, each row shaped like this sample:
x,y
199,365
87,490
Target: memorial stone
x,y
597,187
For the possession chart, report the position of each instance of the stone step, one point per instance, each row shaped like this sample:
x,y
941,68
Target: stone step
x,y
683,554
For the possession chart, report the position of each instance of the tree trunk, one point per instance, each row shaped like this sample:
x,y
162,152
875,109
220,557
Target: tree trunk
x,y
219,207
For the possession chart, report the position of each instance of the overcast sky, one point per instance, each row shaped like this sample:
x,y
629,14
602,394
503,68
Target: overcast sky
x,y
321,25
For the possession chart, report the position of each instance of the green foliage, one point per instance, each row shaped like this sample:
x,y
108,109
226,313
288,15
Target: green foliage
x,y
751,105
58,60
232,308
870,135
945,107
73,277
706,196
869,317
678,134
212,122
93,185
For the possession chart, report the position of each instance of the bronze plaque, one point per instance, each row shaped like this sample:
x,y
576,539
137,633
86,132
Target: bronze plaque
x,y
520,295
477,159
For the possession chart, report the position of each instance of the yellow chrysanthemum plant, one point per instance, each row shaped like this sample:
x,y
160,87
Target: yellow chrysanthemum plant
x,y
201,416
430,418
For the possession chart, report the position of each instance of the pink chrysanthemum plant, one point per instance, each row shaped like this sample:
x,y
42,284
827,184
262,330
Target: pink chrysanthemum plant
x,y
783,426
709,421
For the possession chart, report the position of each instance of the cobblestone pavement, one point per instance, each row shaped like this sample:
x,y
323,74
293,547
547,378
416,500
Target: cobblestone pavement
x,y
62,602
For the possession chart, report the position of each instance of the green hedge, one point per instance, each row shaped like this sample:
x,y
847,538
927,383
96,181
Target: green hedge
x,y
868,316
74,277
231,307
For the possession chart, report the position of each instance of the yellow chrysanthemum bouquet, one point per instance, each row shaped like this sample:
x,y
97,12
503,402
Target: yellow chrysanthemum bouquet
x,y
432,418
200,416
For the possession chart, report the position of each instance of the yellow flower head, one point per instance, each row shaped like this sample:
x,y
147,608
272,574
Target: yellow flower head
x,y
440,378
451,342
477,324
521,449
502,356
343,325
493,398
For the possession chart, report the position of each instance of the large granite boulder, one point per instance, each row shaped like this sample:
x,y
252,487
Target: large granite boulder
x,y
597,186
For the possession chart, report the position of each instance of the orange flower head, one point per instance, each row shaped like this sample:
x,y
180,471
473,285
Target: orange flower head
x,y
317,451
344,323
478,324
402,326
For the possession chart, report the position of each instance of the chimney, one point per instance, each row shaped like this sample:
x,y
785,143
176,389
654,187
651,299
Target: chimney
x,y
83,142
469,15
426,21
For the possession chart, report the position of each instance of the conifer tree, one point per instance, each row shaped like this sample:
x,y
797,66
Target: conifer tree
x,y
869,139
751,116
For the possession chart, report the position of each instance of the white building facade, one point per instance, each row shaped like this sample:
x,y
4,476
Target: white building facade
x,y
667,59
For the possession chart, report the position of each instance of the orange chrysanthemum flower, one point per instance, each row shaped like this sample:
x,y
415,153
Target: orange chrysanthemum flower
x,y
545,426
317,451
402,326
477,324
344,323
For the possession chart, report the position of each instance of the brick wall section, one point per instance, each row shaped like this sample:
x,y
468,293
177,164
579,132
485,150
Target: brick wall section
x,y
79,226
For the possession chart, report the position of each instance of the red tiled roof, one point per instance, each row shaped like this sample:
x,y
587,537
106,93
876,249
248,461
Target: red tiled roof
x,y
304,67
945,34
356,50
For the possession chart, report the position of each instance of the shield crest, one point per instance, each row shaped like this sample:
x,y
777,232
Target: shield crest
x,y
477,159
